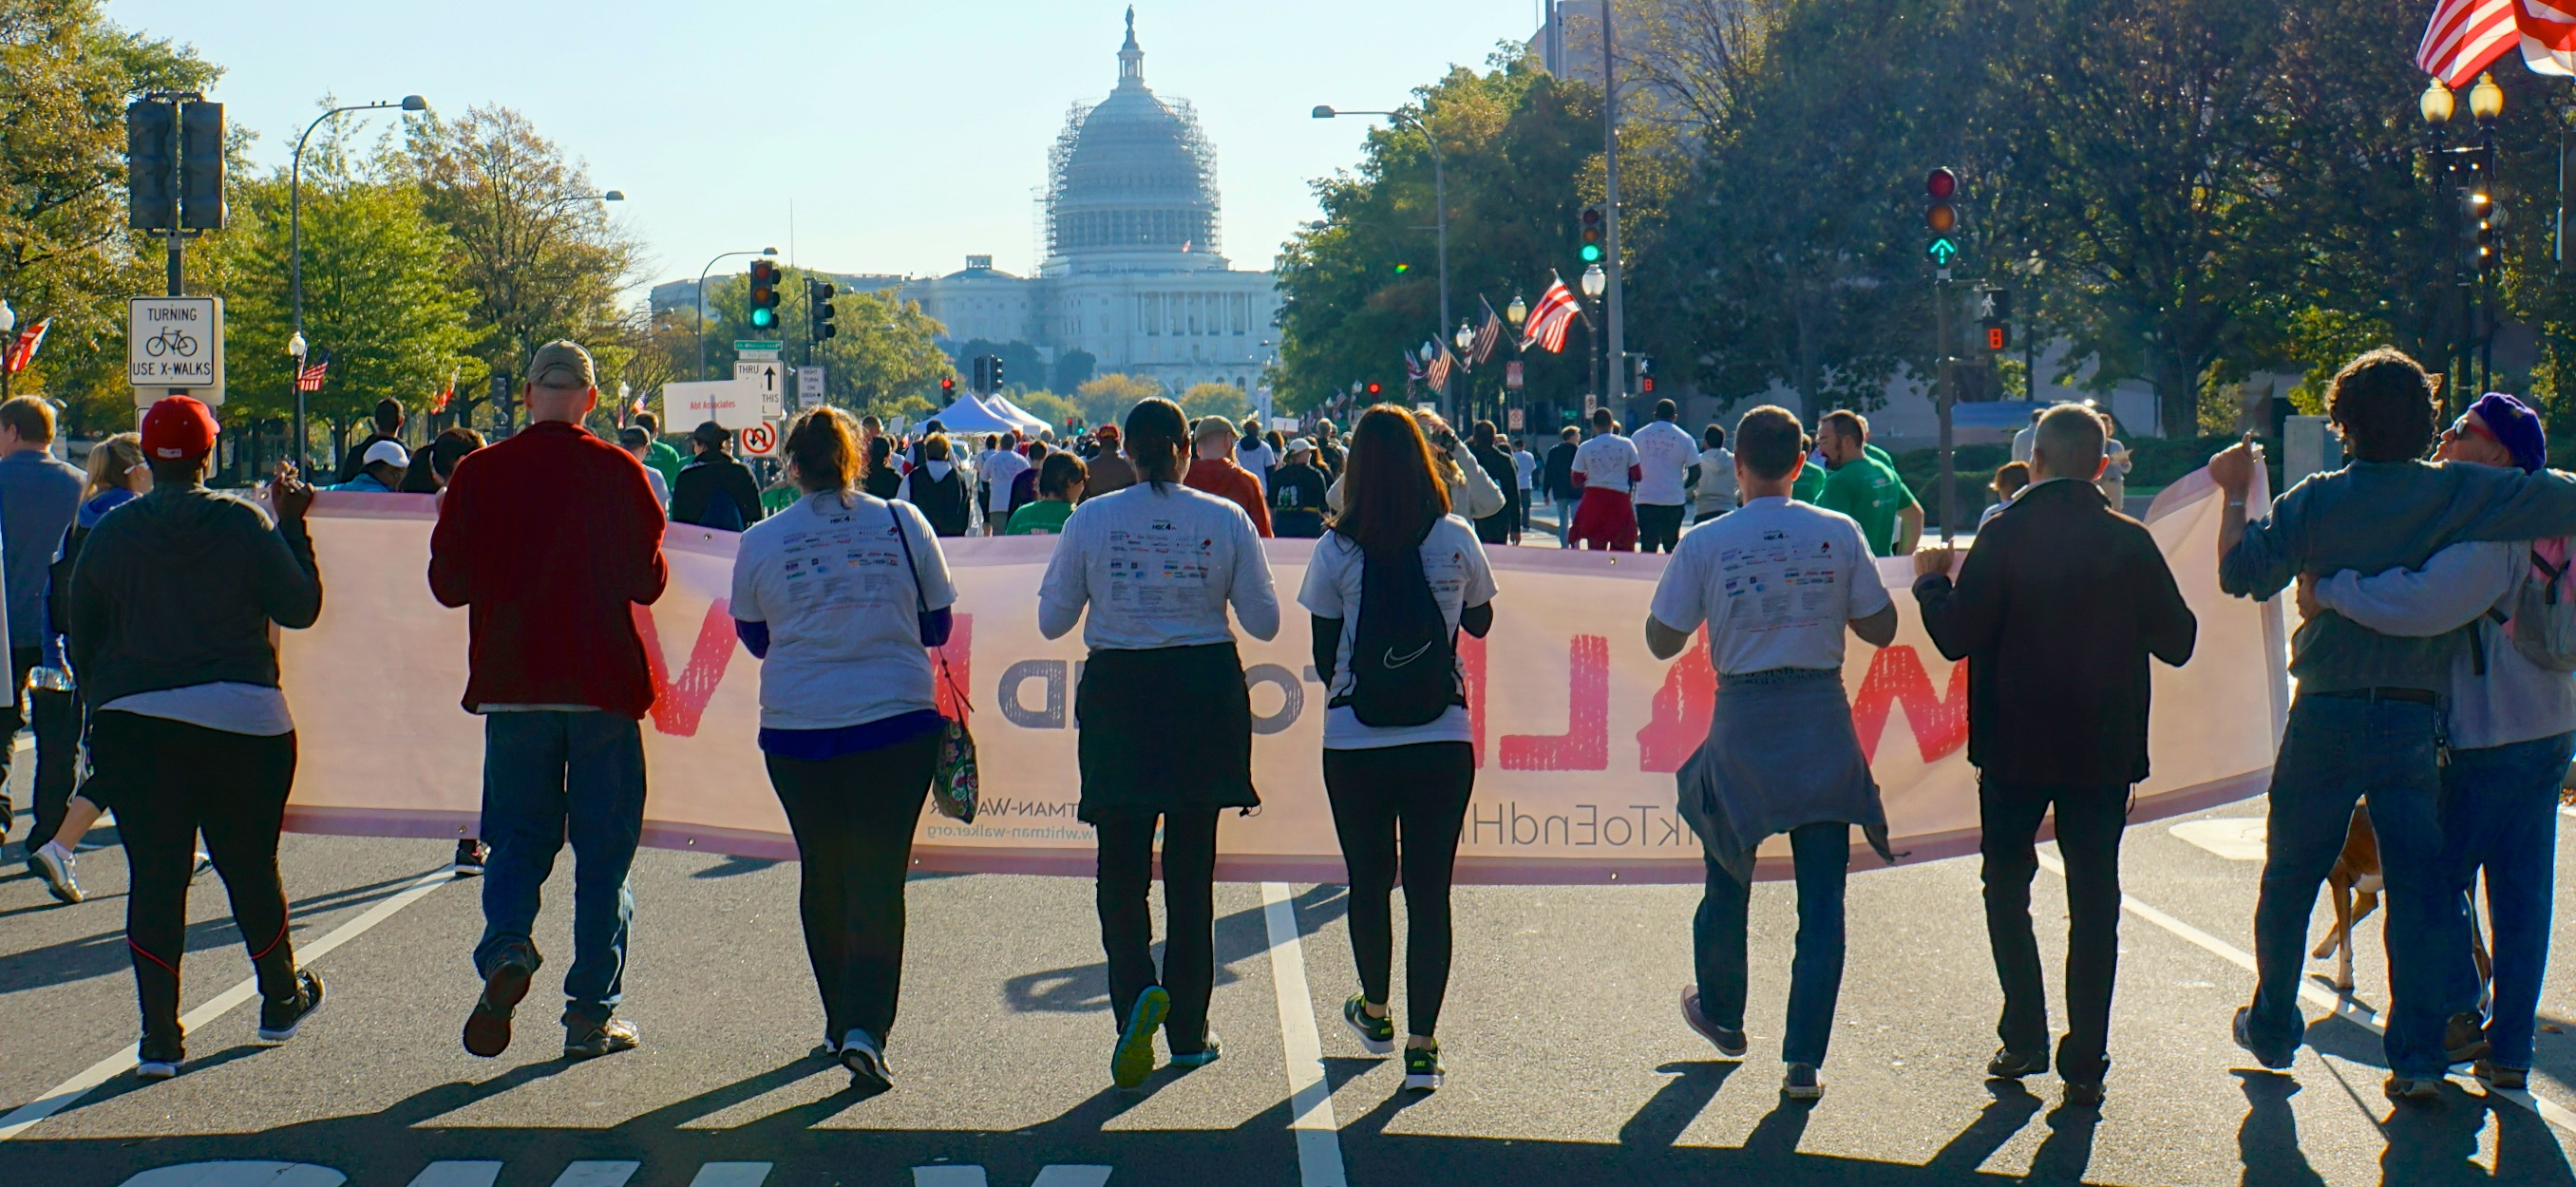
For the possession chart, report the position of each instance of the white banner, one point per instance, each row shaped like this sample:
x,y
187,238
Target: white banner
x,y
1578,728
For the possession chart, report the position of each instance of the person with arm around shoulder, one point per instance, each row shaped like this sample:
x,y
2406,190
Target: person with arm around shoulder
x,y
1398,759
849,718
1166,739
1781,754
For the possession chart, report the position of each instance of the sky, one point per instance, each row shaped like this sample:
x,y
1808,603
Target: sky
x,y
903,137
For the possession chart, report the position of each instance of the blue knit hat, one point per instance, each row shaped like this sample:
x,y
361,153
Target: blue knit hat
x,y
2517,427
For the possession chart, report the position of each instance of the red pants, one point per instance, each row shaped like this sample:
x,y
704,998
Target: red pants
x,y
1605,519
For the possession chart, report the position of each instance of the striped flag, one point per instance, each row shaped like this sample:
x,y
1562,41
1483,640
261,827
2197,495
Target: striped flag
x,y
1548,322
2465,37
1438,372
2548,35
1489,333
23,350
447,393
1412,366
310,378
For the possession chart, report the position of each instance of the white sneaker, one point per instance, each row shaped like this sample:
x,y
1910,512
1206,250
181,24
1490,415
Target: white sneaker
x,y
58,868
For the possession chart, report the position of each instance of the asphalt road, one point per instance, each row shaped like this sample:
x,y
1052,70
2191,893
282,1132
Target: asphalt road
x,y
1568,1062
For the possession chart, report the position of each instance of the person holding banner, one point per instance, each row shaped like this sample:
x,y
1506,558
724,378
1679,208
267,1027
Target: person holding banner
x,y
1781,754
837,596
1165,720
2056,612
1397,749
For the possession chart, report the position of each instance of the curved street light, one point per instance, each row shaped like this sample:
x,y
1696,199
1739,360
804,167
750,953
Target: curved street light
x,y
1439,197
295,242
702,300
610,196
2435,103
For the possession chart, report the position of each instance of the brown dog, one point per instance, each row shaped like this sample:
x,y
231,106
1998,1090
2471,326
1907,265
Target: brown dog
x,y
2356,885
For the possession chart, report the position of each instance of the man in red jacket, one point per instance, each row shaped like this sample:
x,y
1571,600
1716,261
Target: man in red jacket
x,y
550,538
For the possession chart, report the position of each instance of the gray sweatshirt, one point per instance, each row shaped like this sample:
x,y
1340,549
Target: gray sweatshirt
x,y
2516,700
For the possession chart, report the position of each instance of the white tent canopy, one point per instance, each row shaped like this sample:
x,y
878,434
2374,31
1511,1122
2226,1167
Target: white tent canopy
x,y
970,415
1030,425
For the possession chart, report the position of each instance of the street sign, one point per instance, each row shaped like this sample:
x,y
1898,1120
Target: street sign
x,y
175,342
765,378
809,386
1512,420
741,346
760,440
729,403
1512,375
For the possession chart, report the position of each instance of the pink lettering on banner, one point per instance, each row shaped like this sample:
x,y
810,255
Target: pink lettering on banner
x,y
959,656
1678,722
1896,675
677,705
1585,744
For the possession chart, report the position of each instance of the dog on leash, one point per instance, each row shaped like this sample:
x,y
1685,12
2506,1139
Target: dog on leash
x,y
2356,885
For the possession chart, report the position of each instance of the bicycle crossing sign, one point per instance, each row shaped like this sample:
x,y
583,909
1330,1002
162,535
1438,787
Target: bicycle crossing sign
x,y
175,342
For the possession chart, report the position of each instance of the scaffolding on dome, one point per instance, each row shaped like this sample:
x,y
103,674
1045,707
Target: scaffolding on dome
x,y
1158,215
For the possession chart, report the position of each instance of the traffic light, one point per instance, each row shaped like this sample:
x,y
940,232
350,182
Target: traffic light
x,y
1645,376
149,141
1994,310
764,295
818,308
1594,227
2482,220
1374,389
948,387
1941,215
983,373
996,377
201,166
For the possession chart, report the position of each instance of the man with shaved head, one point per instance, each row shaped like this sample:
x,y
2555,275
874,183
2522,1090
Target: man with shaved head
x,y
2056,611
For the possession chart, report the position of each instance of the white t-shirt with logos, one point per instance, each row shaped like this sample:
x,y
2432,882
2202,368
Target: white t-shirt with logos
x,y
844,623
1258,458
1454,563
1667,454
1776,581
1001,468
1604,461
1157,569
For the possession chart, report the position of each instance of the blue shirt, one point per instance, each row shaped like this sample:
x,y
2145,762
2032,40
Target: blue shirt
x,y
39,494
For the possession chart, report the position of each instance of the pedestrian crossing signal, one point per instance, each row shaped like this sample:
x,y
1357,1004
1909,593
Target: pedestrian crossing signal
x,y
1998,337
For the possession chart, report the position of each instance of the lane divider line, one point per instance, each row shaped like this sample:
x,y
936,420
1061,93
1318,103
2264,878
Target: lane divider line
x,y
62,1095
1310,1100
2314,994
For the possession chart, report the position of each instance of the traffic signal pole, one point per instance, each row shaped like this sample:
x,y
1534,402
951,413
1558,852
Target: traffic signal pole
x,y
1946,394
1614,385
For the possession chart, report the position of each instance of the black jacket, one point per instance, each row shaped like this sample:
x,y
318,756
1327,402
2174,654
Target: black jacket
x,y
704,487
356,459
2059,605
1558,479
1496,528
178,588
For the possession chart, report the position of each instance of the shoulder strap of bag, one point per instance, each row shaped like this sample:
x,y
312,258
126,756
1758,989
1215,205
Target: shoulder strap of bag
x,y
921,606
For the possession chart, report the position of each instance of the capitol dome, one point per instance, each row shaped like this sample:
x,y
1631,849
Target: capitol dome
x,y
1132,175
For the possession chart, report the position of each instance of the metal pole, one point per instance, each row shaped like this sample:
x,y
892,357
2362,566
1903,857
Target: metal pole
x,y
1613,385
702,306
1946,391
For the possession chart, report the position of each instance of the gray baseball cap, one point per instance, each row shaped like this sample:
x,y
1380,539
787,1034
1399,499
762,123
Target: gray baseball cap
x,y
557,357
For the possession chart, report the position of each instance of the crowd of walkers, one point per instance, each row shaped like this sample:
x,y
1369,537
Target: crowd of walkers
x,y
2433,678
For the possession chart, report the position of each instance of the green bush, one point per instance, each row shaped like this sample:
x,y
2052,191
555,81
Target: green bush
x,y
2154,463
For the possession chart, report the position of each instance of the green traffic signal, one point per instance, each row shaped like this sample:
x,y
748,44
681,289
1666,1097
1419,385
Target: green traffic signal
x,y
1592,253
764,318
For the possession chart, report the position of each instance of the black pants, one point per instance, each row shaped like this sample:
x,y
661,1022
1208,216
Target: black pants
x,y
57,718
1659,526
1189,915
1420,791
853,817
22,660
171,781
2089,823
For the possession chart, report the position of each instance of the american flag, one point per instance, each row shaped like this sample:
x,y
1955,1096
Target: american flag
x,y
1412,366
1438,371
22,350
310,378
447,393
1548,322
2548,35
1489,333
2465,37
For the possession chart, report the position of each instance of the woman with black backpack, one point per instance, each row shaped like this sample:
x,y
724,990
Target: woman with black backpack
x,y
1390,586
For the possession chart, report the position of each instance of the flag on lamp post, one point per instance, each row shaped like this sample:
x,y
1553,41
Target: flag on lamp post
x,y
22,351
2465,37
309,378
1489,333
1438,371
1549,320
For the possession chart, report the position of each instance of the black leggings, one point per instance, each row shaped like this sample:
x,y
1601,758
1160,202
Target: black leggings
x,y
853,817
1189,915
1424,789
170,781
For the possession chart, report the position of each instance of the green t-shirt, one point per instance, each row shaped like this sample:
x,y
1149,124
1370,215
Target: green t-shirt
x,y
1811,482
662,457
1869,490
1044,517
779,498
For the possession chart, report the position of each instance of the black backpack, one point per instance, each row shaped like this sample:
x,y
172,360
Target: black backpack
x,y
1404,658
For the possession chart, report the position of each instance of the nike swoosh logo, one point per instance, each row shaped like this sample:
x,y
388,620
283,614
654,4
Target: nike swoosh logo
x,y
1393,662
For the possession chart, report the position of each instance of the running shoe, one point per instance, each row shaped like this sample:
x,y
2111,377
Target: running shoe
x,y
1803,1082
858,1051
2497,1075
1377,1035
158,1059
487,1029
1422,1071
1133,1058
2010,1065
1205,1055
59,869
469,858
584,1039
2082,1095
2417,1090
1729,1043
2464,1039
280,1018
2275,1060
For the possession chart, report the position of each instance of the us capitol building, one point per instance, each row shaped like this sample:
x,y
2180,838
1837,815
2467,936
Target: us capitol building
x,y
1131,274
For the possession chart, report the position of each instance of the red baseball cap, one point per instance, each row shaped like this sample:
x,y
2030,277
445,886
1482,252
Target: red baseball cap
x,y
177,427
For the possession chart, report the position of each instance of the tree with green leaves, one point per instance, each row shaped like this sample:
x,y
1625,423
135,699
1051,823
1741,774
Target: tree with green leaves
x,y
1216,399
1105,399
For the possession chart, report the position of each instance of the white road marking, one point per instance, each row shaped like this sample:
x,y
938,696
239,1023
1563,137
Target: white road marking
x,y
25,1116
731,1174
948,1176
597,1174
1310,1101
458,1174
239,1174
1071,1176
2234,838
2312,993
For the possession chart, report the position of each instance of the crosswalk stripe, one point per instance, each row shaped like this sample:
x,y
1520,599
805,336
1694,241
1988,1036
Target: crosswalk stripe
x,y
597,1174
458,1174
1310,1100
731,1174
1072,1176
2314,994
948,1176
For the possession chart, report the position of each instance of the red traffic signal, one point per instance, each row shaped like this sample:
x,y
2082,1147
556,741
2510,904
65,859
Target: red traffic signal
x,y
1942,184
1373,388
948,386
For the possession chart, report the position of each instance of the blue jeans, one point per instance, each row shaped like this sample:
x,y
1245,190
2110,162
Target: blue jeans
x,y
548,776
1565,521
2335,751
1823,855
2500,813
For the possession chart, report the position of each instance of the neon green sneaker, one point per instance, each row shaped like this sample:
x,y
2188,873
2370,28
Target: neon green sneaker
x,y
1377,1035
1133,1058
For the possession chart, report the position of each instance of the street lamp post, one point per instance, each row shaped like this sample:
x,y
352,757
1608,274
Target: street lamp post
x,y
702,300
8,326
1516,313
1465,338
2486,103
295,246
1595,283
1439,202
610,196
